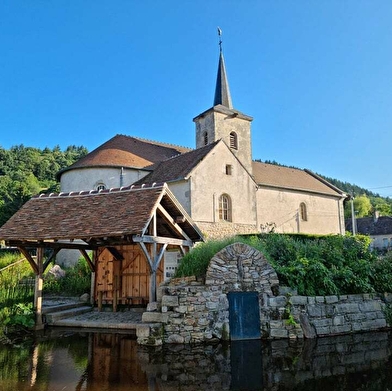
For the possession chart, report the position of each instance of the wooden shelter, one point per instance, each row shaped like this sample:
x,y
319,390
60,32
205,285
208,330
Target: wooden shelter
x,y
128,230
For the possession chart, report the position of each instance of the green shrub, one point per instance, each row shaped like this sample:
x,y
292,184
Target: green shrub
x,y
77,281
314,265
195,263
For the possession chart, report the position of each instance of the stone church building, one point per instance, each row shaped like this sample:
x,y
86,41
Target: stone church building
x,y
219,185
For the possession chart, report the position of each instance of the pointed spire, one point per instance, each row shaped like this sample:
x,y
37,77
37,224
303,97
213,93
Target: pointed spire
x,y
222,92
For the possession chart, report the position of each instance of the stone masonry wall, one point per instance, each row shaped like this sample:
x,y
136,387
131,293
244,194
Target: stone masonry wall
x,y
191,311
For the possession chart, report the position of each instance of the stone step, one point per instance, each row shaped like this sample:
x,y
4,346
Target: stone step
x,y
52,317
61,307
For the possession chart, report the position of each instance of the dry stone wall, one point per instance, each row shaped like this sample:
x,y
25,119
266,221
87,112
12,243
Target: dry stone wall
x,y
190,311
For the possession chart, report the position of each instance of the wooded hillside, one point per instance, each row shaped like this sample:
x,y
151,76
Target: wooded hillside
x,y
27,171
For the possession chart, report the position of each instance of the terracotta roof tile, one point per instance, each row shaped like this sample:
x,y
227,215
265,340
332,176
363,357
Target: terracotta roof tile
x,y
126,151
291,178
108,213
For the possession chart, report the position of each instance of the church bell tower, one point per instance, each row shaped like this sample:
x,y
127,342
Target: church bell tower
x,y
222,121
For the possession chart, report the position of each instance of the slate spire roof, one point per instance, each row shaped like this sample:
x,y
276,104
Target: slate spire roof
x,y
222,91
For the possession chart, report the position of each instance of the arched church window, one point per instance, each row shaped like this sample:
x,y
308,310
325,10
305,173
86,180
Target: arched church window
x,y
233,140
225,208
205,138
303,211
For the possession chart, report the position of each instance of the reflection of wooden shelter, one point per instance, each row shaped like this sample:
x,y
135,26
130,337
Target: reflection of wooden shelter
x,y
128,230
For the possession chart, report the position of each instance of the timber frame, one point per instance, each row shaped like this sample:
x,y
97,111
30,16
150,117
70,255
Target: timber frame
x,y
149,217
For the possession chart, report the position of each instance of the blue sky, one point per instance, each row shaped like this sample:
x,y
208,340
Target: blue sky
x,y
315,75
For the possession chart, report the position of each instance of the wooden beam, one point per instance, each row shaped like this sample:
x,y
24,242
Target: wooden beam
x,y
154,260
43,244
52,256
30,259
147,255
161,240
172,222
116,254
88,260
39,282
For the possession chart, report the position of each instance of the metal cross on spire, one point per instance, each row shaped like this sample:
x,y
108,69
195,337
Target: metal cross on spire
x,y
220,38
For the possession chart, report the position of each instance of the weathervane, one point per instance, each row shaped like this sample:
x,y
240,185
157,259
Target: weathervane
x,y
220,38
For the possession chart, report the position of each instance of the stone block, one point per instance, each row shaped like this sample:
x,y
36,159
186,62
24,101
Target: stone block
x,y
375,324
331,299
323,330
320,299
152,306
212,305
299,300
275,324
338,320
142,330
307,327
346,308
182,309
278,333
175,338
155,317
318,323
357,297
170,301
279,301
370,306
315,311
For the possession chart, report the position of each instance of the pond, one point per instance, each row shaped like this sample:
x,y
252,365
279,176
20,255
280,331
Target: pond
x,y
65,360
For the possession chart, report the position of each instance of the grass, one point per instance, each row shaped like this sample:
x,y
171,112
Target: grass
x,y
17,291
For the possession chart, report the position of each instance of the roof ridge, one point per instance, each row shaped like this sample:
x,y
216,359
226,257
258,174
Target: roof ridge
x,y
102,191
160,143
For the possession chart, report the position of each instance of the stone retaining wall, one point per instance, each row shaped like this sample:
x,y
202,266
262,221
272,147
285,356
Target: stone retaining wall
x,y
190,311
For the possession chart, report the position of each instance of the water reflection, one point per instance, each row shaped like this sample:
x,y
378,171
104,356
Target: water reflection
x,y
60,360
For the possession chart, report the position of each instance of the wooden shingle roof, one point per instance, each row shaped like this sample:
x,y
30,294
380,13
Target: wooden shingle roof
x,y
126,151
97,216
271,175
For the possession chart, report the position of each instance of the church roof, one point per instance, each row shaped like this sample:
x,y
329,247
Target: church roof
x,y
272,175
126,151
178,167
222,91
91,215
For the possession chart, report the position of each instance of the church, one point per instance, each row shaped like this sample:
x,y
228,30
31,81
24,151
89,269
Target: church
x,y
221,188
133,207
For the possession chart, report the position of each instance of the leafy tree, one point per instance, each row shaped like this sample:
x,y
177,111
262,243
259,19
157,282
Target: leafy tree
x,y
27,171
362,206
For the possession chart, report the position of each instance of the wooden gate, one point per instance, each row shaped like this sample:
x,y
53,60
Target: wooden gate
x,y
123,281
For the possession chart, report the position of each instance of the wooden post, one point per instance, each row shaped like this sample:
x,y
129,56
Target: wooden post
x,y
100,293
153,286
38,290
115,290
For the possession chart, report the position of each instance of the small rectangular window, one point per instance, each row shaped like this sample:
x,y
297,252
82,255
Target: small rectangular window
x,y
229,169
